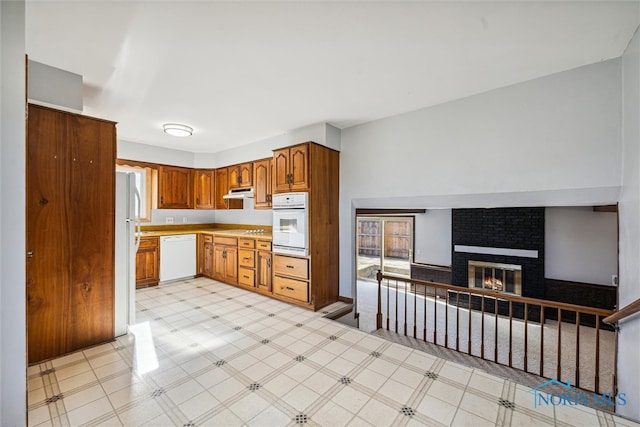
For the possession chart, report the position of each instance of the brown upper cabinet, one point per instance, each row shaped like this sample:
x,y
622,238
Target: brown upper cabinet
x,y
175,187
262,183
204,188
222,188
291,166
241,176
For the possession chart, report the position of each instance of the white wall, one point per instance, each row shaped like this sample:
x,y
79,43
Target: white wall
x,y
529,144
581,245
12,218
433,237
629,213
153,154
321,133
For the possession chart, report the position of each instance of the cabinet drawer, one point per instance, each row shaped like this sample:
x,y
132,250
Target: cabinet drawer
x,y
246,277
246,243
263,245
291,288
290,266
149,242
246,258
219,240
207,238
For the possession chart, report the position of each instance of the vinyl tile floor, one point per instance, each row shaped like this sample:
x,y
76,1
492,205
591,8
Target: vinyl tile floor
x,y
203,353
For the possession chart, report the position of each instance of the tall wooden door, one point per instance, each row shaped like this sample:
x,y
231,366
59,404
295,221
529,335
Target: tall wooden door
x,y
48,240
204,188
70,232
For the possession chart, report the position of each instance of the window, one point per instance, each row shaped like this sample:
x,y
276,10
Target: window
x,y
146,183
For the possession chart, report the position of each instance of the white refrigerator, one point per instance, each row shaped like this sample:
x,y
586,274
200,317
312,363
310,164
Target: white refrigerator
x,y
127,242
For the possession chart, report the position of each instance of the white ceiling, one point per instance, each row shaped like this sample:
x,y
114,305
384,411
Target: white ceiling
x,y
238,72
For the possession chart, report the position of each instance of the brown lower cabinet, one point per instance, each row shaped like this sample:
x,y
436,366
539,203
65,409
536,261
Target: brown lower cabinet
x,y
148,262
291,277
70,200
225,259
264,271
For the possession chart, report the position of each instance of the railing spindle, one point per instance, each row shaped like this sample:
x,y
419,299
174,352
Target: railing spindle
x,y
542,341
482,329
405,309
379,314
559,363
446,320
526,338
469,327
396,306
597,378
435,317
424,310
495,331
577,349
510,332
388,304
457,321
415,310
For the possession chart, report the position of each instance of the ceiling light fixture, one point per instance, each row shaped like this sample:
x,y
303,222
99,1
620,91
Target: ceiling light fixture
x,y
176,129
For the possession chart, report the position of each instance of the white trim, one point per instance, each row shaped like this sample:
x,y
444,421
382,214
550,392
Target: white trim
x,y
524,253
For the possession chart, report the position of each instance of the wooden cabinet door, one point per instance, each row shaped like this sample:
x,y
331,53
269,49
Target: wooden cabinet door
x,y
91,198
299,174
148,262
262,183
233,177
246,175
207,259
175,188
263,279
219,262
281,171
231,267
48,243
222,188
204,188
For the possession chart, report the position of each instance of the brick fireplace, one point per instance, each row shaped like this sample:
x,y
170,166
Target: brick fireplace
x,y
500,249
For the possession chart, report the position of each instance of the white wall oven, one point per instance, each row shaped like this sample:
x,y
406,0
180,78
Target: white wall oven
x,y
290,223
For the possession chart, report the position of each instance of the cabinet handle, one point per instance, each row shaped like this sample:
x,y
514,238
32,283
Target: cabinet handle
x,y
29,254
246,258
290,266
289,288
161,200
269,262
197,200
245,276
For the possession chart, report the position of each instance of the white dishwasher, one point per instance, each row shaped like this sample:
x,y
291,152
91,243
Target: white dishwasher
x,y
177,257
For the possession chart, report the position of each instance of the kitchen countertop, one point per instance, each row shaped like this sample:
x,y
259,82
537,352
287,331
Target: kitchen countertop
x,y
266,235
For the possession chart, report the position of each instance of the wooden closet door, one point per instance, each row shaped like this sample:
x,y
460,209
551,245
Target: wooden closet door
x,y
48,269
91,145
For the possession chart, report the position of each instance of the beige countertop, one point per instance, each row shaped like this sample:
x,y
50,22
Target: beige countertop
x,y
266,235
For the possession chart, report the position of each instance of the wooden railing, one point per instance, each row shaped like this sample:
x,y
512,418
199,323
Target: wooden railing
x,y
627,311
504,328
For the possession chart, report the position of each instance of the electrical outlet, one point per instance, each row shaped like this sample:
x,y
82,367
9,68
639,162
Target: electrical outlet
x,y
184,219
169,220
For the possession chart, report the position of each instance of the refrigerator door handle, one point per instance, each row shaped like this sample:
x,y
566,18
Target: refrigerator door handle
x,y
137,219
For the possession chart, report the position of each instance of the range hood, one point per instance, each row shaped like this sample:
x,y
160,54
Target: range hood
x,y
239,193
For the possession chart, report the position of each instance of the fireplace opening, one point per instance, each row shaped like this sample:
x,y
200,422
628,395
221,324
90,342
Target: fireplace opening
x,y
495,277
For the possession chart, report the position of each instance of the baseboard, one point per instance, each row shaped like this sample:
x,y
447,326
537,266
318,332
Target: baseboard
x,y
346,299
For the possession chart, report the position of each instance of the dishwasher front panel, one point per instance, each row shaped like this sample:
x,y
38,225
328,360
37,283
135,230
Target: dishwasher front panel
x,y
177,257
